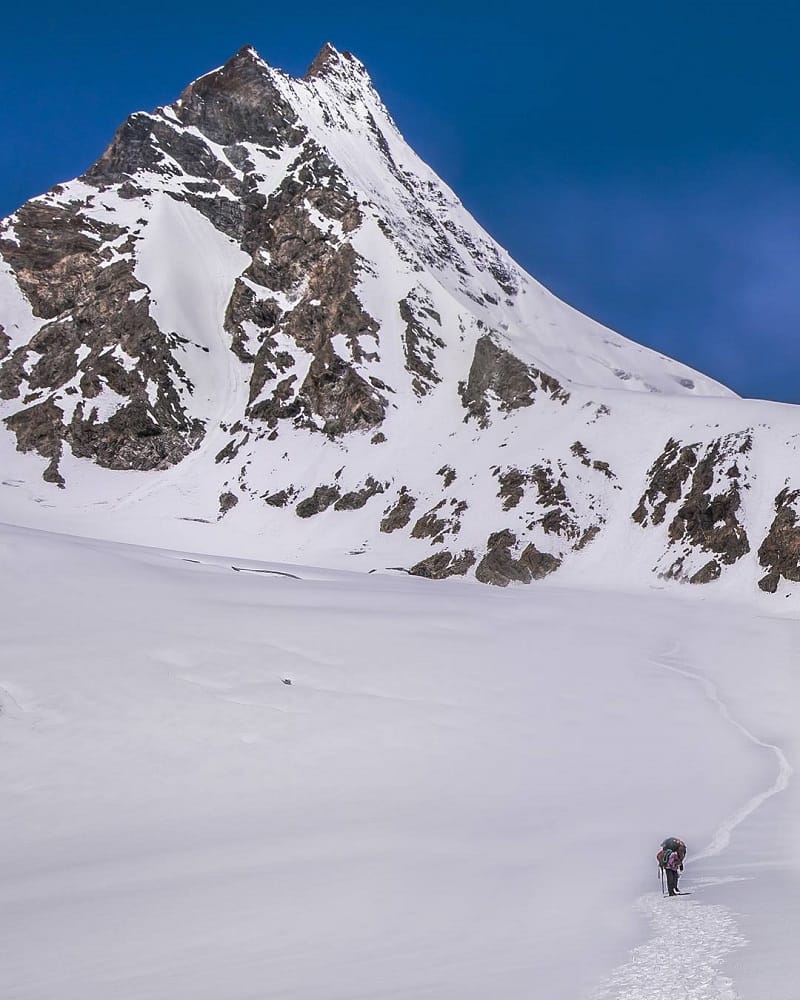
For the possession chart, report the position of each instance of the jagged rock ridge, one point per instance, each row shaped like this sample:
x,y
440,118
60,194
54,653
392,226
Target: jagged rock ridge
x,y
261,290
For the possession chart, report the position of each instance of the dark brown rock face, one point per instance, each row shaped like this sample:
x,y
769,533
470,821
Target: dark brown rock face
x,y
430,525
667,477
779,553
545,486
56,248
708,519
448,474
34,428
340,397
333,396
356,499
320,499
279,499
512,487
99,341
704,484
496,373
235,104
239,103
500,568
399,514
420,344
443,564
227,501
444,518
328,60
711,571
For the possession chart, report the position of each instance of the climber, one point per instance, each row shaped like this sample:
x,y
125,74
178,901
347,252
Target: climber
x,y
670,860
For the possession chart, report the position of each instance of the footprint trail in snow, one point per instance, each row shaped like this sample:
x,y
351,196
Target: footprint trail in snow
x,y
683,959
722,837
690,941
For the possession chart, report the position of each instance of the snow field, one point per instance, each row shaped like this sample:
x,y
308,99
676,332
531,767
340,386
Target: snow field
x,y
459,795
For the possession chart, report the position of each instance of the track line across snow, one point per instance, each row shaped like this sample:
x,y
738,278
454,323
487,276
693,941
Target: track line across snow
x,y
683,958
690,940
722,837
9,706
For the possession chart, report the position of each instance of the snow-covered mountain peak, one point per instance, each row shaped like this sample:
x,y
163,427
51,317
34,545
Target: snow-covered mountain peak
x,y
235,103
261,300
330,62
337,94
338,81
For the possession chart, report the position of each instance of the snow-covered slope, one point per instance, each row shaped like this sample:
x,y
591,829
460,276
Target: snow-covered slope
x,y
260,324
458,797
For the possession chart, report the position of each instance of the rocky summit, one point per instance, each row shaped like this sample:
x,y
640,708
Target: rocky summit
x,y
261,325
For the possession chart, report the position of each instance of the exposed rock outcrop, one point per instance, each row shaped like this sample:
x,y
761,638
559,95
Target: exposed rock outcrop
x,y
99,374
443,564
499,567
227,501
356,499
279,499
322,498
399,514
495,374
442,519
291,251
667,477
779,553
703,484
420,343
548,505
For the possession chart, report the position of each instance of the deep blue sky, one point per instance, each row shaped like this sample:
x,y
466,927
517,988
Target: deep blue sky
x,y
641,159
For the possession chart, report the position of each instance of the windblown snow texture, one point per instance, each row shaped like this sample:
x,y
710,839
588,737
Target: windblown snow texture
x,y
259,323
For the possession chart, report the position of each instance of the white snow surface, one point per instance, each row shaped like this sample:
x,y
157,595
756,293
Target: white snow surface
x,y
190,271
459,795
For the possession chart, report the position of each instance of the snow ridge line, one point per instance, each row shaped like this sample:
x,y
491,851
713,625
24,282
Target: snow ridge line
x,y
722,837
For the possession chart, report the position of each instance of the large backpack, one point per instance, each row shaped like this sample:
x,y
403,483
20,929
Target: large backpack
x,y
667,847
